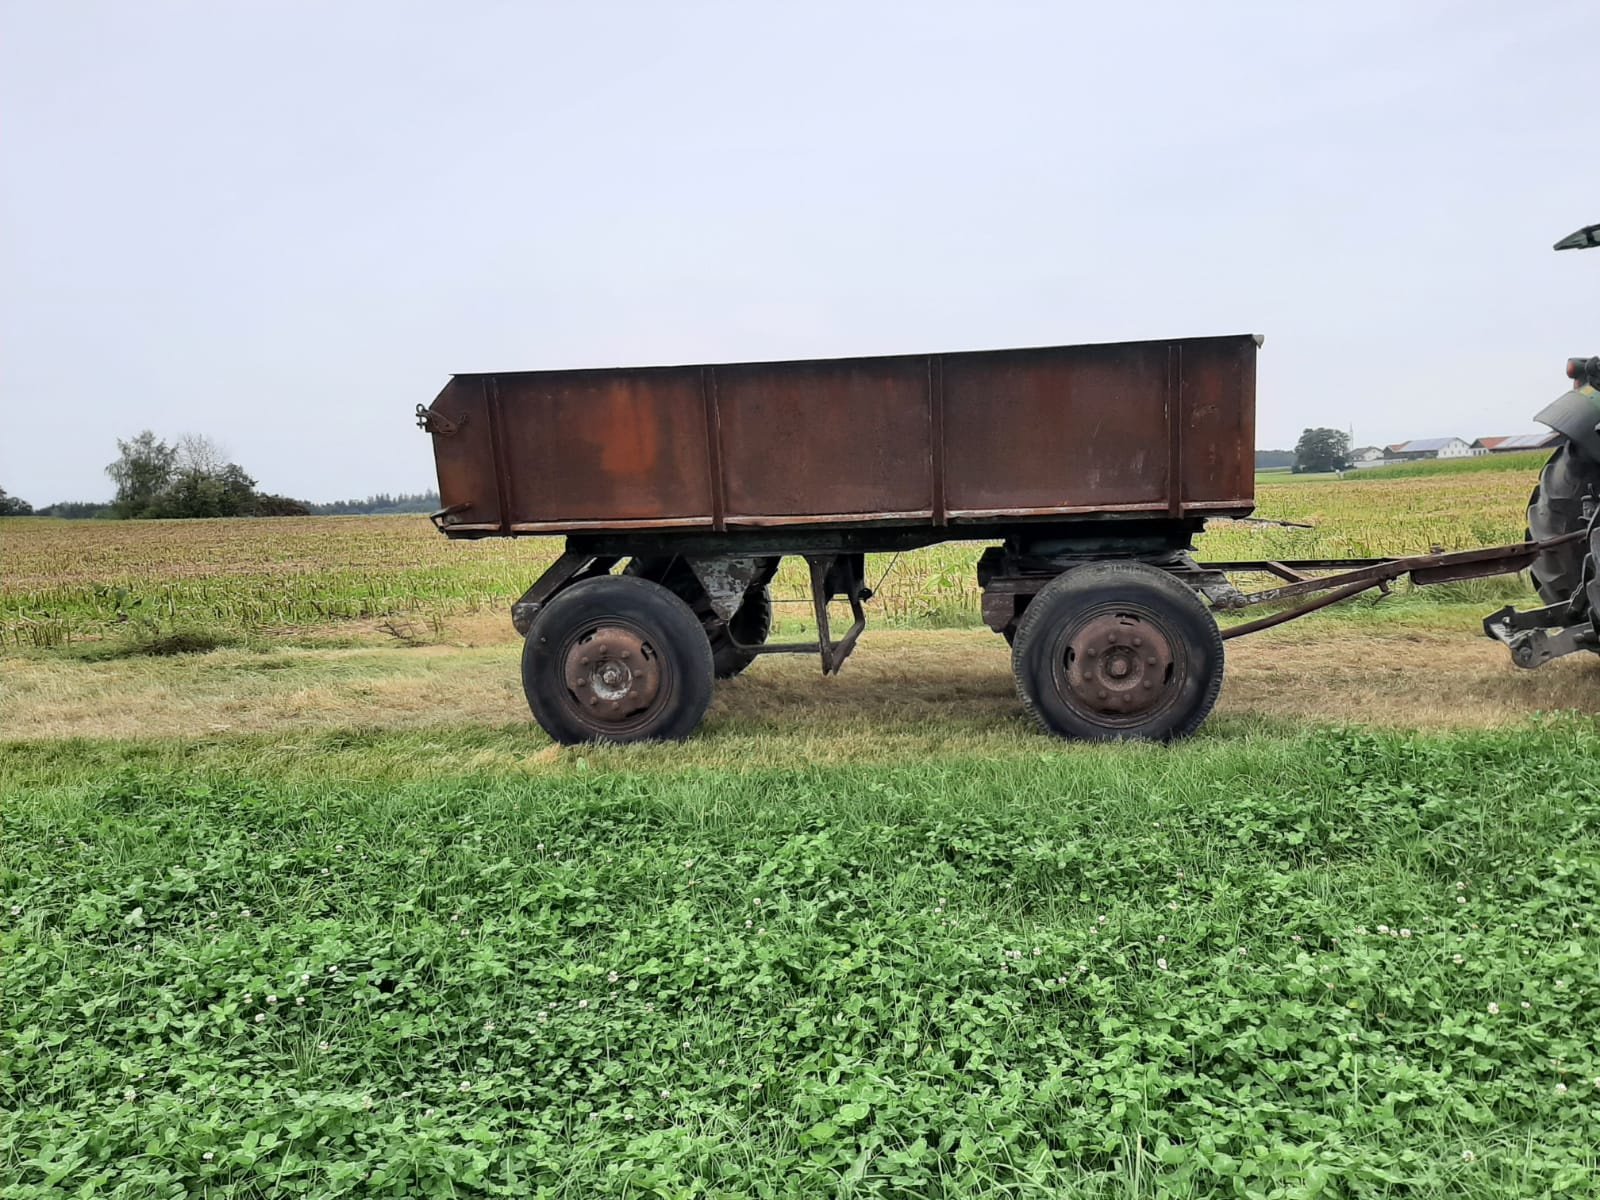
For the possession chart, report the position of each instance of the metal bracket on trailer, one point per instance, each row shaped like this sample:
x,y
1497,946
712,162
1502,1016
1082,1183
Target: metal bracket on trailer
x,y
572,567
831,575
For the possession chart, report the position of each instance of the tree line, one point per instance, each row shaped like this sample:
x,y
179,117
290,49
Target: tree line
x,y
194,477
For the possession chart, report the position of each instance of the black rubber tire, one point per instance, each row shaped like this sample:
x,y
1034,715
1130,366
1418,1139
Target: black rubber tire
x,y
667,628
1556,507
751,623
1125,591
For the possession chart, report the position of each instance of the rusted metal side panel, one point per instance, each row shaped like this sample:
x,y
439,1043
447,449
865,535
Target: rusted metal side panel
x,y
611,447
1218,420
469,486
845,439
1075,428
1161,428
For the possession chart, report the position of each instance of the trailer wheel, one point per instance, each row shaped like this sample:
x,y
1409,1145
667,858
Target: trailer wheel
x,y
1115,650
618,659
750,624
1556,507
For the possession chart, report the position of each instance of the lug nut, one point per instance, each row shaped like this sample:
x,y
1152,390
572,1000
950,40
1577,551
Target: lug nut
x,y
1138,641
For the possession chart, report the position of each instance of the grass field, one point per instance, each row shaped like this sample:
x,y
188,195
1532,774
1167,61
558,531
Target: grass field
x,y
321,913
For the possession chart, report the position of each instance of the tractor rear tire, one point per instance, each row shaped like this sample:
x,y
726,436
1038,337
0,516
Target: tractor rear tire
x,y
1555,508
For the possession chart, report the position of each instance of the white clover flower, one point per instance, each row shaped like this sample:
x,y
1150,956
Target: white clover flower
x,y
540,846
1173,905
16,910
1561,1089
1468,1156
1561,985
612,977
130,1095
1460,887
1458,959
1494,1009
666,1094
260,1017
583,1004
1162,963
272,999
464,1086
299,1001
1383,929
207,1156
749,924
1461,899
323,1046
1161,939
1526,1006
305,976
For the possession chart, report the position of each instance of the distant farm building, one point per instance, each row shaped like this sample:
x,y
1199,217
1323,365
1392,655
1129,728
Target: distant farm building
x,y
1367,456
1443,447
1521,441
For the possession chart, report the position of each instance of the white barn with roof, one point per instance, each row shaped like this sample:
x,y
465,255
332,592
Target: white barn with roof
x,y
1441,447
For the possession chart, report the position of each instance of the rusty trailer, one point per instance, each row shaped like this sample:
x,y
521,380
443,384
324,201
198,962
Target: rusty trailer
x,y
678,490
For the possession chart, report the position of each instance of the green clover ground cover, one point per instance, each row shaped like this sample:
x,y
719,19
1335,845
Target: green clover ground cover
x,y
1327,964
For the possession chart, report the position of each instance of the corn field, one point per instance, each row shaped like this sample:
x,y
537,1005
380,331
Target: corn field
x,y
67,581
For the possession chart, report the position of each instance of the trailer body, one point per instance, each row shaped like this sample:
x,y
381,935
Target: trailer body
x,y
1122,431
680,489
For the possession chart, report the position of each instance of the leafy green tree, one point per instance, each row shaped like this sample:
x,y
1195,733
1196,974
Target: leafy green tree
x,y
1321,450
14,506
143,470
198,491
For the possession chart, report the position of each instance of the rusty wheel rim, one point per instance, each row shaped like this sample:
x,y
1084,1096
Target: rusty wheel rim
x,y
1118,667
614,677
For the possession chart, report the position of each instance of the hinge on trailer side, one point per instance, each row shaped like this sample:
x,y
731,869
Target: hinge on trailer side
x,y
435,422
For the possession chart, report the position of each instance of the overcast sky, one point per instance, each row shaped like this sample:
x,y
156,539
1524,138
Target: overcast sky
x,y
284,224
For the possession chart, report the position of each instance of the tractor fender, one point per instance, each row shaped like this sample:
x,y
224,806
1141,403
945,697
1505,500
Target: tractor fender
x,y
1575,415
